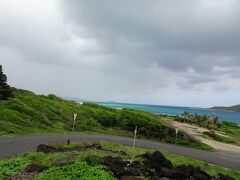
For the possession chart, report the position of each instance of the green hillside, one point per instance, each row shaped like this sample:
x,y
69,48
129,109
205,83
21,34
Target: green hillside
x,y
231,108
29,113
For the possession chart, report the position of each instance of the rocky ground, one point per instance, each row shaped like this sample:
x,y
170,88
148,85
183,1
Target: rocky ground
x,y
148,166
155,166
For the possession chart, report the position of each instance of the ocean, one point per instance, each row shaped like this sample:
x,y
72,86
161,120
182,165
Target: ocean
x,y
174,110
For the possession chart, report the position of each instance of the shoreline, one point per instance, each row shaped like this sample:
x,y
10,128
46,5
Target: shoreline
x,y
177,110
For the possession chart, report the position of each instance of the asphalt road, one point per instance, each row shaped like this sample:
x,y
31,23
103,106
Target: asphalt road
x,y
11,146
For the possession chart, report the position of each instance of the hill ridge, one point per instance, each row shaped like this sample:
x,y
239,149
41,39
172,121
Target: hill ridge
x,y
235,108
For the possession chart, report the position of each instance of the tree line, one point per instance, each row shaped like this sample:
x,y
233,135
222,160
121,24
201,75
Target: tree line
x,y
5,89
210,122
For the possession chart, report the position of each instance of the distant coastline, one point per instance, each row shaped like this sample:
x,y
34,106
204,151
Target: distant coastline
x,y
231,116
235,108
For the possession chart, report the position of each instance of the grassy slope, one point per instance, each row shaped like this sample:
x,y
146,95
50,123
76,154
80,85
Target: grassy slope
x,y
232,130
30,113
231,108
80,168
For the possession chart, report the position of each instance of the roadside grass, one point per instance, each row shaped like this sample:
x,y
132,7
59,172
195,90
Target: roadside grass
x,y
87,164
11,167
78,170
228,133
219,138
196,145
232,130
209,168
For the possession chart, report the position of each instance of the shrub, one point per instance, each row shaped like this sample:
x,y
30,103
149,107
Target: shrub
x,y
13,166
78,170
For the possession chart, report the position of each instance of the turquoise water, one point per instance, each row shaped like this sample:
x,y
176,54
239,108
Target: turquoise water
x,y
174,110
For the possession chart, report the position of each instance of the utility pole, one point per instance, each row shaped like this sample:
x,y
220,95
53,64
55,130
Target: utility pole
x,y
74,121
134,138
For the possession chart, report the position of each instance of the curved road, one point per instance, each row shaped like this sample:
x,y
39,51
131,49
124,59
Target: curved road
x,y
10,146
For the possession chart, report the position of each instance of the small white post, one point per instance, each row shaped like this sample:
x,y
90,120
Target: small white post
x,y
74,121
176,134
134,138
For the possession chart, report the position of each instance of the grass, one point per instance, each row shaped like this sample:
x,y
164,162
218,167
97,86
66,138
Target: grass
x,y
78,170
87,164
220,138
28,113
232,130
12,166
228,133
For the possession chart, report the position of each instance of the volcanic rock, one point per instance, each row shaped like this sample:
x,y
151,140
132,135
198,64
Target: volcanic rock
x,y
119,167
46,149
34,168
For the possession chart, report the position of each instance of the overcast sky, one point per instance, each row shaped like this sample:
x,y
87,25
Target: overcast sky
x,y
166,52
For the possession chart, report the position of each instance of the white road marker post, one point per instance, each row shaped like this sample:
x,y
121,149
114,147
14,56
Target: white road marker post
x,y
134,138
74,121
176,135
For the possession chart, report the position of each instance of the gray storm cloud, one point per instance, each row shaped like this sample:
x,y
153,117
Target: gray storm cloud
x,y
136,51
171,34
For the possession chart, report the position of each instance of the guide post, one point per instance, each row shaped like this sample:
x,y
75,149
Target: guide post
x,y
176,135
135,135
74,121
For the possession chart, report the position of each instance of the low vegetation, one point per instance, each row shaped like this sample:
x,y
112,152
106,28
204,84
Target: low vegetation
x,y
210,122
220,138
222,131
87,163
30,113
231,130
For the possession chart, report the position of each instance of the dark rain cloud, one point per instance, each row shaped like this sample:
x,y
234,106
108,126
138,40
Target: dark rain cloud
x,y
171,34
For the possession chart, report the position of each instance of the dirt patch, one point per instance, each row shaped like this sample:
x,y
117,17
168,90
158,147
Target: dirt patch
x,y
220,146
197,133
28,173
22,176
67,160
51,149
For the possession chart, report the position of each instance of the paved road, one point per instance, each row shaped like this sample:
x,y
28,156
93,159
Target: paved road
x,y
11,146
